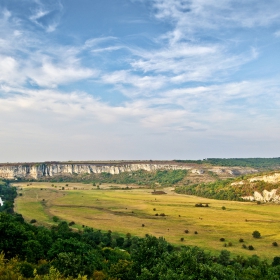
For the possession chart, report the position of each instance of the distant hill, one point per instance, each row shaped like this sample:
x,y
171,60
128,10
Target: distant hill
x,y
258,163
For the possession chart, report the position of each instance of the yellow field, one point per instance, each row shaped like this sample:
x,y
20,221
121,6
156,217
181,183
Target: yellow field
x,y
126,211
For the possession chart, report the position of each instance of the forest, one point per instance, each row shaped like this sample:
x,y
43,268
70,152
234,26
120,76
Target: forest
x,y
258,163
59,252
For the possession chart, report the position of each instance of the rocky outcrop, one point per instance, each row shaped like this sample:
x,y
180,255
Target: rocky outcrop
x,y
37,171
265,196
272,178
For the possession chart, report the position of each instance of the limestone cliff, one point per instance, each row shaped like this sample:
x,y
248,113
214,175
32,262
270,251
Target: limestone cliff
x,y
50,169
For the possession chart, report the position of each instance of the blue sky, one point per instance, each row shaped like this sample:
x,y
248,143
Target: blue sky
x,y
139,79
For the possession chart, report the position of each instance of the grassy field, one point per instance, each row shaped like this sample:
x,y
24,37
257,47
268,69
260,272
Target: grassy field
x,y
134,211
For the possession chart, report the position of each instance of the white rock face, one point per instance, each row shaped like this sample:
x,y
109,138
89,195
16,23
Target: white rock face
x,y
274,178
197,171
1,202
265,196
52,169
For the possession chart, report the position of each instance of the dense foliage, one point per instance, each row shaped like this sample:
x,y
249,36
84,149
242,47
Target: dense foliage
x,y
8,194
60,251
141,177
258,163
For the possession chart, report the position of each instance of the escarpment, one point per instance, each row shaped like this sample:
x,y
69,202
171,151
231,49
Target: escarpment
x,y
51,169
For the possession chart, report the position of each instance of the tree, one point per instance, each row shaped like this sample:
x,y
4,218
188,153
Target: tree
x,y
256,234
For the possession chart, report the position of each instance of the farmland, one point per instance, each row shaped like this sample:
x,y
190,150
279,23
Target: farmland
x,y
137,211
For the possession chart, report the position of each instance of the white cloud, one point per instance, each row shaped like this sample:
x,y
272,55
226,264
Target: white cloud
x,y
277,34
47,15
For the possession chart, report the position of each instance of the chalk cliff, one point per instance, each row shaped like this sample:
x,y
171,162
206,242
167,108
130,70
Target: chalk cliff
x,y
50,169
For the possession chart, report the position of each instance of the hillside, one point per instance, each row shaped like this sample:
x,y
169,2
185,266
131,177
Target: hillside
x,y
91,170
263,188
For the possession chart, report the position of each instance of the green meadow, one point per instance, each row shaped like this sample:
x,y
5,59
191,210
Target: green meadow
x,y
138,212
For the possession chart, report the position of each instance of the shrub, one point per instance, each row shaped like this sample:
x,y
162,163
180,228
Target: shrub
x,y
222,239
154,209
66,185
275,244
250,247
186,231
20,194
156,214
195,232
244,246
143,225
256,234
182,238
162,214
33,221
229,244
55,219
71,223
241,240
276,261
258,202
223,207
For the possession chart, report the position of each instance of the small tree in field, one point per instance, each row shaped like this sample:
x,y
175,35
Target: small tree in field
x,y
256,234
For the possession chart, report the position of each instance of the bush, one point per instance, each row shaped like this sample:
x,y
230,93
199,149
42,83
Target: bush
x,y
186,231
162,214
256,234
33,221
143,225
244,246
222,239
182,238
195,232
250,247
71,223
275,244
223,207
55,219
156,214
241,240
229,244
154,209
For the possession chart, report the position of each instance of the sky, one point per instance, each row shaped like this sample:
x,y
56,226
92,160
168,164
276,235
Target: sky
x,y
139,79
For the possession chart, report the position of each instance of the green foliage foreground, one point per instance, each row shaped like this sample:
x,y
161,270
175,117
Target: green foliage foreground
x,y
59,252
